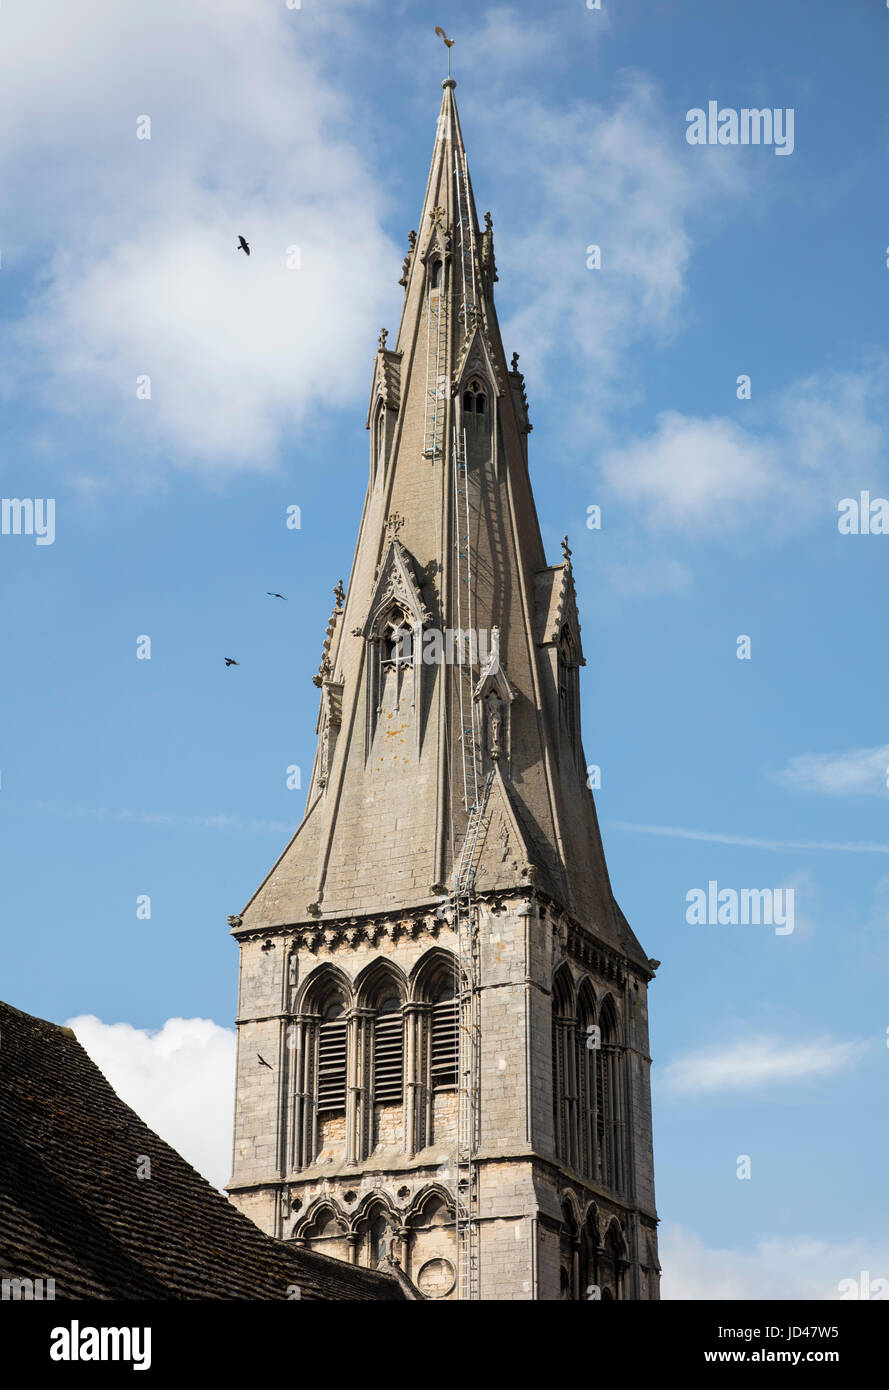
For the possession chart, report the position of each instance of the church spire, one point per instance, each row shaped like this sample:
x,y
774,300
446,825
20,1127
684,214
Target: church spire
x,y
450,251
428,966
449,551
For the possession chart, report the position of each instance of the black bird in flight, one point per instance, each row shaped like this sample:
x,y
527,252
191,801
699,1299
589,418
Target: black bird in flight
x,y
271,595
230,661
265,1063
242,246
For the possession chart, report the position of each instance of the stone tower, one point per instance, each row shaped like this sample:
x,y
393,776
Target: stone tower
x,y
443,1040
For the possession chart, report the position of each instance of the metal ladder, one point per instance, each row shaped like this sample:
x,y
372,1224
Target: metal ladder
x,y
465,673
467,239
475,802
468,1054
436,362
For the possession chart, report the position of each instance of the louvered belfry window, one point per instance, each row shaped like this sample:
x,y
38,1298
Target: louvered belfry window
x,y
604,1107
388,1063
443,1064
332,1061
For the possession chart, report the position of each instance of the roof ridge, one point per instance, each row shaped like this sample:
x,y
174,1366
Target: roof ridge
x,y
35,1018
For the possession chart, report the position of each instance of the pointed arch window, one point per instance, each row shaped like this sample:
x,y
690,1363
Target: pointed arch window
x,y
569,685
588,1077
393,630
316,1090
435,271
332,1060
378,1083
433,1017
380,438
396,639
393,676
564,1069
586,1049
388,1051
609,1113
474,398
444,1040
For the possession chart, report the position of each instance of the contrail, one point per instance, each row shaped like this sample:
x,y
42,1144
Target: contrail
x,y
677,832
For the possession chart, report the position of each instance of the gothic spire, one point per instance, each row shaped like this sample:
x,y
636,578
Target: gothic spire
x,y
418,713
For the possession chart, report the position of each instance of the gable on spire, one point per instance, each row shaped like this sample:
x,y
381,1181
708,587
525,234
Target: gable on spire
x,y
438,243
557,606
393,633
477,357
386,382
396,583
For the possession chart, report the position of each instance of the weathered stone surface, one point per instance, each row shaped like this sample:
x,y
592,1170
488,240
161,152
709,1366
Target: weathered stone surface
x,y
353,922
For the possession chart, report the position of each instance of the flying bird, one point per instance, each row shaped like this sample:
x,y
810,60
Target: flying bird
x,y
230,661
271,595
265,1063
242,246
442,35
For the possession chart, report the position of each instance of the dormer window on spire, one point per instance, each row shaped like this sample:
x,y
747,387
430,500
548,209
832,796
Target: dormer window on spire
x,y
379,448
474,398
396,640
569,686
435,274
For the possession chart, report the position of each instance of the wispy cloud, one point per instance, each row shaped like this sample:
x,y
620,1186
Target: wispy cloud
x,y
677,832
606,174
123,816
757,1062
860,772
510,41
815,441
690,468
804,1267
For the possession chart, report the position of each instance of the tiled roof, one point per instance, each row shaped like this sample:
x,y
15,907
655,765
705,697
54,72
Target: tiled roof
x,y
73,1209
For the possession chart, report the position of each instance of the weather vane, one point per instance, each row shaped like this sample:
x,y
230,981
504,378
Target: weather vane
x,y
449,44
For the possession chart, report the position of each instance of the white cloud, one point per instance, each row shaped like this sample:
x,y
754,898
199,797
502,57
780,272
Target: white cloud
x,y
817,440
615,178
757,1062
837,424
691,471
179,1079
803,1268
508,40
135,239
860,772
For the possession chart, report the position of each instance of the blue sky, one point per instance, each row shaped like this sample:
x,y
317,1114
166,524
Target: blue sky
x,y
313,128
